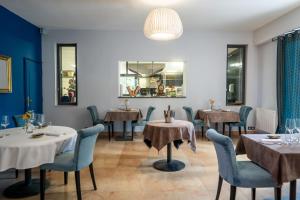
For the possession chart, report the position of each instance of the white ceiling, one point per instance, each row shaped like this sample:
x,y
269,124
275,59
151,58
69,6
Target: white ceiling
x,y
229,15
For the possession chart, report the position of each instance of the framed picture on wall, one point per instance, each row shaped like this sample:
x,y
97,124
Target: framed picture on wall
x,y
5,74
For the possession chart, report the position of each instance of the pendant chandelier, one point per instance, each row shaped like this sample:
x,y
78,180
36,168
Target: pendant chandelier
x,y
163,24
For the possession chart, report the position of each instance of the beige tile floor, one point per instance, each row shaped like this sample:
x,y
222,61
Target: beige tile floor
x,y
124,172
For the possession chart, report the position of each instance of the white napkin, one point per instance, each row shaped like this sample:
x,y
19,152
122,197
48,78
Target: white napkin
x,y
271,141
53,134
207,110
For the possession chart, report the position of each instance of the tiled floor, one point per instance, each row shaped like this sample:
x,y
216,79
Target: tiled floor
x,y
124,172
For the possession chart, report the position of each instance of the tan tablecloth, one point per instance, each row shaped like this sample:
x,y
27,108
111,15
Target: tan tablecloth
x,y
122,115
217,116
159,133
282,161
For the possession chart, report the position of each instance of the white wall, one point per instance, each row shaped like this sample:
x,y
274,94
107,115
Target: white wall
x,y
100,51
277,27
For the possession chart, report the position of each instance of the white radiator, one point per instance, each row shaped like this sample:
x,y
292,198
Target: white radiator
x,y
266,120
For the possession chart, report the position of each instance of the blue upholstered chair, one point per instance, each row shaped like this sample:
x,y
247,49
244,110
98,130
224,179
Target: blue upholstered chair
x,y
75,160
191,117
96,120
244,113
142,122
18,120
244,174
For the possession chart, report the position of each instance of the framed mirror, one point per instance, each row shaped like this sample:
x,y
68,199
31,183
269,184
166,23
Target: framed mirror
x,y
5,74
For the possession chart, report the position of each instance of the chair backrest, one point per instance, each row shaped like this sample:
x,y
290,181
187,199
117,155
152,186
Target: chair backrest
x,y
85,145
149,112
189,113
94,113
244,113
225,154
19,121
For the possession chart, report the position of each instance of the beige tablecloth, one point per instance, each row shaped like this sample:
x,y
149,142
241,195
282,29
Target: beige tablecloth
x,y
123,115
217,116
158,133
282,161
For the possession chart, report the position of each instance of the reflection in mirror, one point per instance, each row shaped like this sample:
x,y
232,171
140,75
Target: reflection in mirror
x,y
235,84
151,79
67,77
5,74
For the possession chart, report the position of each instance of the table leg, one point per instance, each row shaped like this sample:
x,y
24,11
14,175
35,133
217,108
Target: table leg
x,y
169,165
293,190
124,137
28,187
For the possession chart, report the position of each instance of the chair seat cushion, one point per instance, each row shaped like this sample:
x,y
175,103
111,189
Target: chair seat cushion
x,y
62,162
198,122
251,175
139,123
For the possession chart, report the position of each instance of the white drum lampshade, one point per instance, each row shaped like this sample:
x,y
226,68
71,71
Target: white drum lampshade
x,y
163,24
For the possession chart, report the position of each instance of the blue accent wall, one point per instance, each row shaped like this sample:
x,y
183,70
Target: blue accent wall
x,y
19,40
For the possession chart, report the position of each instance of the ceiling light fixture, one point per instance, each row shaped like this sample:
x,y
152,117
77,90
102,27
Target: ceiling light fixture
x,y
163,24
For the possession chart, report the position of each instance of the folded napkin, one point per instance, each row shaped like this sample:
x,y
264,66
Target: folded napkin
x,y
53,134
207,110
271,141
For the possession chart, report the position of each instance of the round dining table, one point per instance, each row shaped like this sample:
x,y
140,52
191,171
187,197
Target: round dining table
x,y
24,151
158,134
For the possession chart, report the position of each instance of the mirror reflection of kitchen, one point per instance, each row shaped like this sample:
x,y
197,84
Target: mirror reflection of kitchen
x,y
151,79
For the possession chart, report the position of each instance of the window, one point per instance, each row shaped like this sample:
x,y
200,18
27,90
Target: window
x,y
67,74
235,83
151,79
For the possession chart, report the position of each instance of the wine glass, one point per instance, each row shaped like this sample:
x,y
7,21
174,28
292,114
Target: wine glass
x,y
32,117
40,119
290,126
4,121
297,124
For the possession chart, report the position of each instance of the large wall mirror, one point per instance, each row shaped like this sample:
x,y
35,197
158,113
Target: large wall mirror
x,y
5,74
236,69
151,79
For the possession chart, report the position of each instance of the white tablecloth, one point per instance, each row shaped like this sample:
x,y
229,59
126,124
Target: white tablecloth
x,y
18,150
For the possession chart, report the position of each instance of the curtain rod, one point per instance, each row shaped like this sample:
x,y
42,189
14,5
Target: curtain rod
x,y
286,33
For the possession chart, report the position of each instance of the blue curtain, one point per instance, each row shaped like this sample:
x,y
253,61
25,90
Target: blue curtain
x,y
288,78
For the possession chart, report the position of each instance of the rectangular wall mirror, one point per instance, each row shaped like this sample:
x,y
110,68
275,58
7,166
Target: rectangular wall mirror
x,y
235,83
151,79
5,74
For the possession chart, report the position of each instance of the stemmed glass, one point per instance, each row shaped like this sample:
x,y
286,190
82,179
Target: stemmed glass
x,y
290,126
4,121
32,118
40,119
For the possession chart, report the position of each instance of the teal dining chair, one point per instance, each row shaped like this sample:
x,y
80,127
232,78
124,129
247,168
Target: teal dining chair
x,y
244,113
245,174
142,122
96,120
191,117
75,160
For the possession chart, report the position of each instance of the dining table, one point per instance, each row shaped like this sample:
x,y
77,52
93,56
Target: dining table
x,y
280,159
215,116
24,151
123,115
158,134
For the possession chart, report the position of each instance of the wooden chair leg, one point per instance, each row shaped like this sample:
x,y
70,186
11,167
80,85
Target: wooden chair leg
x,y
277,193
223,128
42,183
219,187
245,129
78,189
253,193
109,132
132,132
293,190
17,173
66,178
230,130
232,192
112,129
93,176
202,131
240,130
